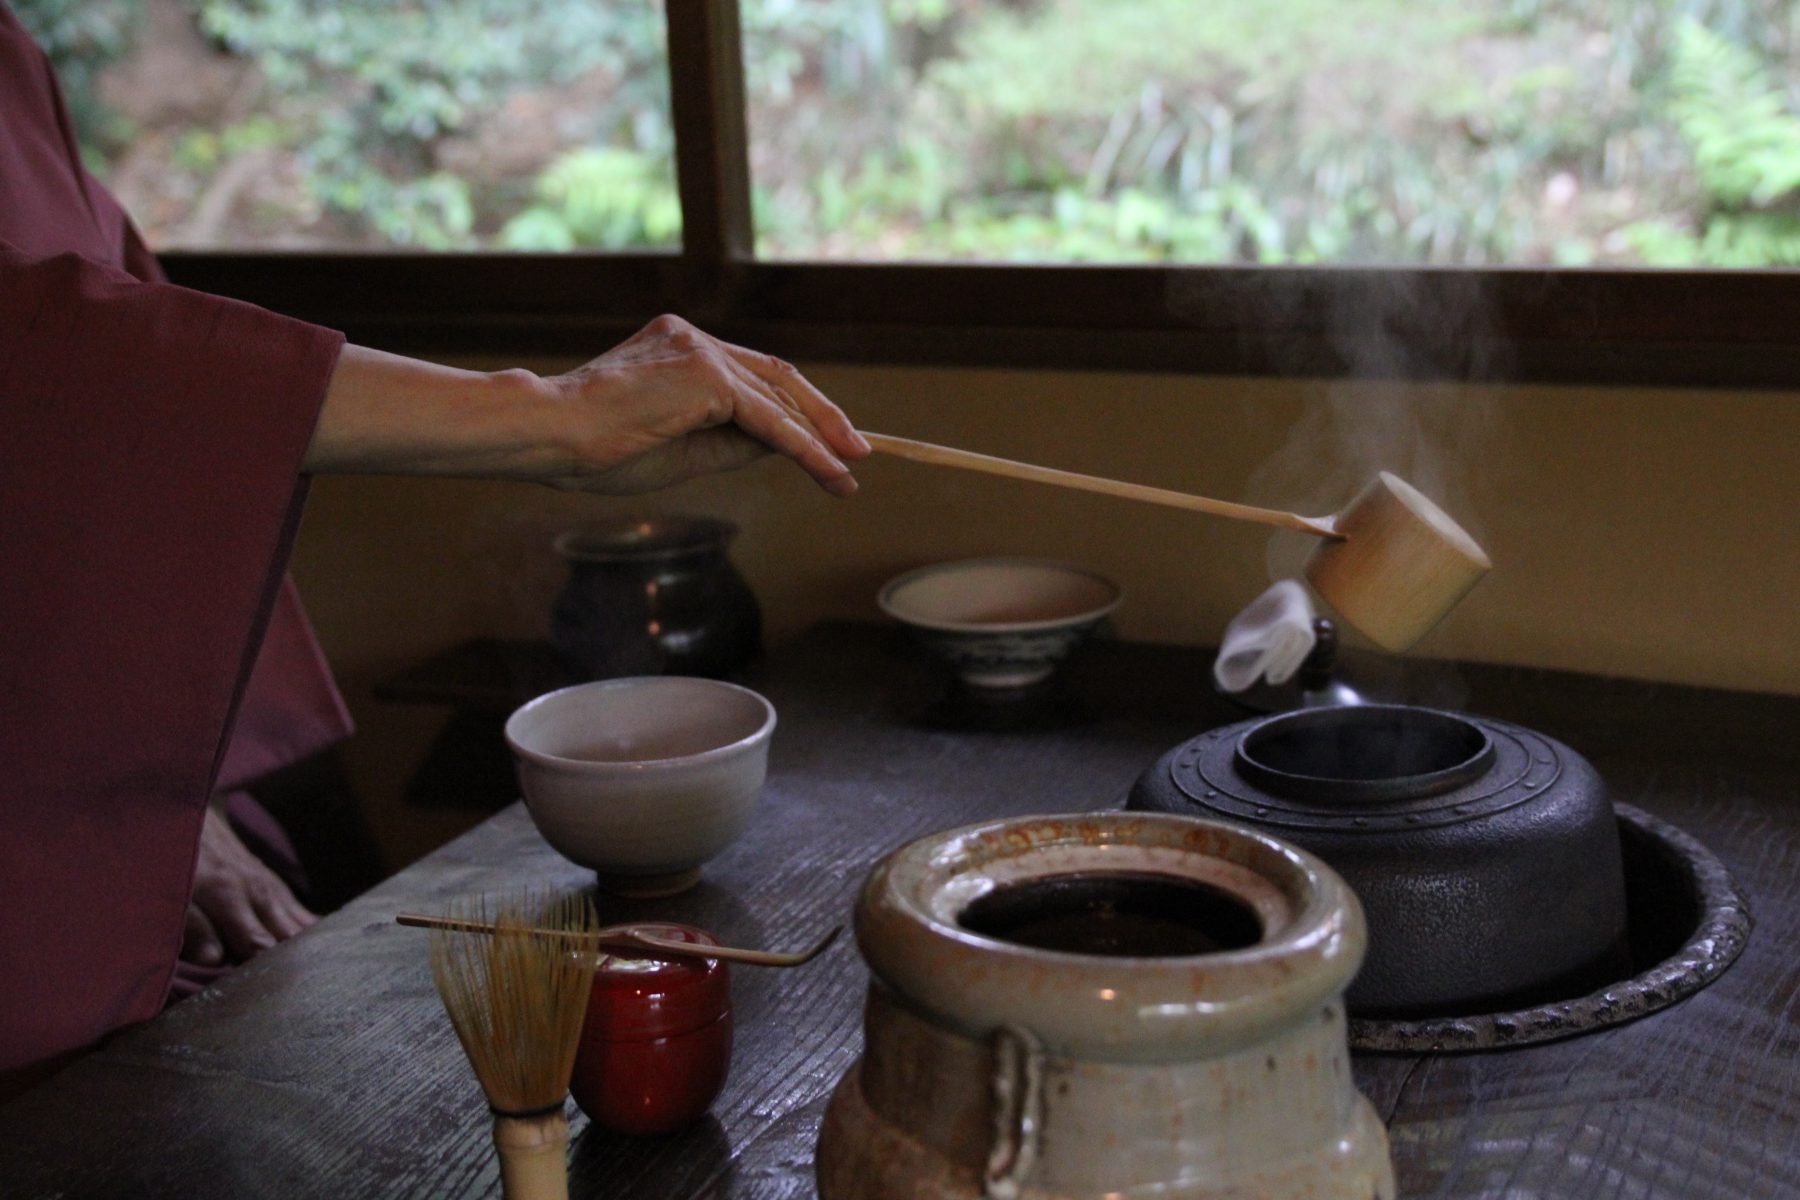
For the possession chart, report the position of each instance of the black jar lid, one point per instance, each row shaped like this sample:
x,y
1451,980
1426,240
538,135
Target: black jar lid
x,y
643,538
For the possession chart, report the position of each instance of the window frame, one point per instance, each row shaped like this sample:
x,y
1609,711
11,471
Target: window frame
x,y
1689,328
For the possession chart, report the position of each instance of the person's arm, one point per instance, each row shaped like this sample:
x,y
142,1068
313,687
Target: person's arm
x,y
665,405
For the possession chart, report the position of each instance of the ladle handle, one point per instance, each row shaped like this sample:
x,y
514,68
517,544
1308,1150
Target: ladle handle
x,y
968,460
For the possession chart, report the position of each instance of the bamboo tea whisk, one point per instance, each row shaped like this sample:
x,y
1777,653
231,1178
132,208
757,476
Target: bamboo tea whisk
x,y
517,998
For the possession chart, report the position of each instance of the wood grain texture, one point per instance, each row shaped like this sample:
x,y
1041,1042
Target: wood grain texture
x,y
326,1068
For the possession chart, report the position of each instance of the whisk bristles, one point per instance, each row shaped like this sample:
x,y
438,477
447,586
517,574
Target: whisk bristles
x,y
517,996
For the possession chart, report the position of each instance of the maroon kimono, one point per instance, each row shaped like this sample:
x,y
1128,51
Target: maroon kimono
x,y
151,440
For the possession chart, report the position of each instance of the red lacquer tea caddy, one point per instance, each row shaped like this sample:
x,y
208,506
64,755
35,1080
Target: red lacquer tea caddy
x,y
656,1046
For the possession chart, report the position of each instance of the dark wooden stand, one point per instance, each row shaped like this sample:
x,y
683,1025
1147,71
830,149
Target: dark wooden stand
x,y
480,681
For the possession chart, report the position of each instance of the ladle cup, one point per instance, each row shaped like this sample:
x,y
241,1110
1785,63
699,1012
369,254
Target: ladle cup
x,y
1392,563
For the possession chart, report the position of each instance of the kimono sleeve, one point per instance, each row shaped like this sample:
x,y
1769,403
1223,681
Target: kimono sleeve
x,y
151,446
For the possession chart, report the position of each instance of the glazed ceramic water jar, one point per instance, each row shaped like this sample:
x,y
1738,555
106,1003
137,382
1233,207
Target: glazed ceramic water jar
x,y
1117,1004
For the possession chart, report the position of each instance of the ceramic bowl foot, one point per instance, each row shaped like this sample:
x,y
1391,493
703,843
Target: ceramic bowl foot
x,y
647,887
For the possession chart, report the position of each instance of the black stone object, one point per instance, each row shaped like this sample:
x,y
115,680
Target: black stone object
x,y
1486,856
654,596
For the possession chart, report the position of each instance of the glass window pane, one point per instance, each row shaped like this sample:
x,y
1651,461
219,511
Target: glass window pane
x,y
1571,132
401,124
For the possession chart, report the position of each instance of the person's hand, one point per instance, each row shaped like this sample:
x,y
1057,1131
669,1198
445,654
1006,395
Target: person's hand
x,y
239,907
666,404
671,402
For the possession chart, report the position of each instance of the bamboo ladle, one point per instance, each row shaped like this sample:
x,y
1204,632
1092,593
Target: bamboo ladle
x,y
1392,563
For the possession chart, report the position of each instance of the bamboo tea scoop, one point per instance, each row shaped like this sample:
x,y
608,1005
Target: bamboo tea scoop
x,y
1392,563
629,937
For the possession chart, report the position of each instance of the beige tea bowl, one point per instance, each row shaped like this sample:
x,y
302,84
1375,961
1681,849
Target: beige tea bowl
x,y
642,779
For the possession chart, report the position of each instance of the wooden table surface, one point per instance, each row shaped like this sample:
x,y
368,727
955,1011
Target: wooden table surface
x,y
326,1067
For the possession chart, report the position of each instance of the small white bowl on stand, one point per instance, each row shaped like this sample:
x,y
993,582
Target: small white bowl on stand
x,y
645,778
1002,624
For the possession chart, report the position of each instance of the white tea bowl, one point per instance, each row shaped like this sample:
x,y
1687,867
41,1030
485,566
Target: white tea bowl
x,y
1001,623
645,778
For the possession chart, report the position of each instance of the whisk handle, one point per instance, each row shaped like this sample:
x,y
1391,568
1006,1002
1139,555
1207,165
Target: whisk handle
x,y
534,1163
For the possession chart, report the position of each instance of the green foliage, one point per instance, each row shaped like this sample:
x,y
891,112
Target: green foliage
x,y
361,99
1076,60
1572,131
1345,130
82,38
598,198
1745,140
435,212
204,149
371,92
422,70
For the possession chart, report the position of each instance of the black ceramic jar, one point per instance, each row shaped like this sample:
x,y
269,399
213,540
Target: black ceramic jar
x,y
654,596
1486,855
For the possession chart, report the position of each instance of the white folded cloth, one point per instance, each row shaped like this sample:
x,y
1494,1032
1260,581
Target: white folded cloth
x,y
1269,639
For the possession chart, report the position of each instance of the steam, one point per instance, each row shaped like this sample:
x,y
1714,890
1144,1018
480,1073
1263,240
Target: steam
x,y
1400,406
1441,438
